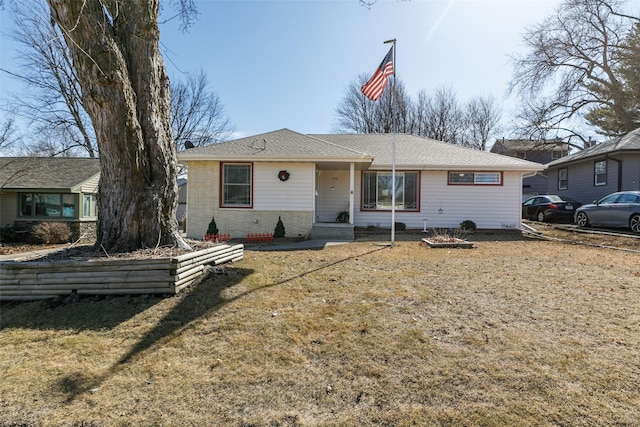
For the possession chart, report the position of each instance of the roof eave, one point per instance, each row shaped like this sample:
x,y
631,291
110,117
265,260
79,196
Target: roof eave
x,y
203,157
488,168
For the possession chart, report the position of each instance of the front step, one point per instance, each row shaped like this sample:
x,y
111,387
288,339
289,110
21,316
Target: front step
x,y
333,231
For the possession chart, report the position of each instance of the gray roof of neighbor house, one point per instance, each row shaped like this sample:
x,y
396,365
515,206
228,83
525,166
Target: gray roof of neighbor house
x,y
412,152
625,143
46,173
502,145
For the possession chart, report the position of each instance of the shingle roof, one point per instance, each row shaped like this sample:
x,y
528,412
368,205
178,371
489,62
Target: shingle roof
x,y
624,143
282,144
51,173
503,145
415,152
412,152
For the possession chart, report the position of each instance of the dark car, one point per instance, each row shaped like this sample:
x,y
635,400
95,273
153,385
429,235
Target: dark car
x,y
620,209
549,207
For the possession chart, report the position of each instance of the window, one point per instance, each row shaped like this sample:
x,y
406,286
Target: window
x,y
475,178
236,185
563,178
600,175
53,205
377,190
89,205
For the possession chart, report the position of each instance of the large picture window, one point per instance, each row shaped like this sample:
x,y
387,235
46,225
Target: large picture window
x,y
475,178
377,191
53,205
236,185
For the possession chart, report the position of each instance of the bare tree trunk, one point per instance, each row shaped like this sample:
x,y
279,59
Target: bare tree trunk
x,y
125,88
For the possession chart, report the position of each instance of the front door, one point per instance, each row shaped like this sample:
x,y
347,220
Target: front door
x,y
332,194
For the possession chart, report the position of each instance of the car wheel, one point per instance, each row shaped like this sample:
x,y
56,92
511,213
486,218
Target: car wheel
x,y
634,223
582,220
541,216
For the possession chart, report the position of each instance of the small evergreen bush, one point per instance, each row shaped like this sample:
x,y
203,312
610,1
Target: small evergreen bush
x,y
279,231
213,228
401,226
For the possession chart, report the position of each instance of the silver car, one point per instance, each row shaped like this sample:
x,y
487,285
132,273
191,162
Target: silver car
x,y
620,209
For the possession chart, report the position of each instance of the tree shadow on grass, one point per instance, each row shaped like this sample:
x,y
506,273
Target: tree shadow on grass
x,y
202,299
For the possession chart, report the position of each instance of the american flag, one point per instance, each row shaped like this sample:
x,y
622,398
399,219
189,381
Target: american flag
x,y
375,86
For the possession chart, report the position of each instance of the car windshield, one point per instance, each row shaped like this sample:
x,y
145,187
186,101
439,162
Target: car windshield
x,y
555,199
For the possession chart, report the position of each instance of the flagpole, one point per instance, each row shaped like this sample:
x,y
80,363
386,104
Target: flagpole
x,y
393,148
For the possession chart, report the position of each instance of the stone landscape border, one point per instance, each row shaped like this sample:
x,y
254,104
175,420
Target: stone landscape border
x,y
31,280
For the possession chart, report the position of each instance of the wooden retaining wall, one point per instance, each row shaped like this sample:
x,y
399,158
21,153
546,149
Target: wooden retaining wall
x,y
29,280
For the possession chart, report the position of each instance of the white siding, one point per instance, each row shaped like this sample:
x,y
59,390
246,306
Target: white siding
x,y
295,194
91,185
488,206
292,200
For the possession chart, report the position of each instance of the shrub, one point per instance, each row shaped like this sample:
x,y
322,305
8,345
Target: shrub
x,y
467,226
6,233
212,228
343,216
401,226
52,232
279,231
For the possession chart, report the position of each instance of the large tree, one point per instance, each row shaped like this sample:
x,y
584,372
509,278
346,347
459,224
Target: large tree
x,y
572,69
356,113
53,101
197,113
440,116
125,91
483,120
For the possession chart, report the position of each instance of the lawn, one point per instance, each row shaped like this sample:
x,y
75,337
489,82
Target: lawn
x,y
514,332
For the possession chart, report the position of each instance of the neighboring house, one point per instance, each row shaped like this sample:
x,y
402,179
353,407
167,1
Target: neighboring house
x,y
43,189
311,180
539,151
593,173
181,212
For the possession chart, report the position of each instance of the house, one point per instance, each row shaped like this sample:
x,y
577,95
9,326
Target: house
x,y
181,211
539,151
599,170
44,189
309,181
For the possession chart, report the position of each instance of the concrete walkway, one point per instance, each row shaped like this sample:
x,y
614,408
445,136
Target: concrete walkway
x,y
23,256
313,244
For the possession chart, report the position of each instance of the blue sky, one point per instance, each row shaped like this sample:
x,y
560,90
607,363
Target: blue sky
x,y
277,64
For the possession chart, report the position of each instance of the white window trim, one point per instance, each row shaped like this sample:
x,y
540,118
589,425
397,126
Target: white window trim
x,y
566,179
222,186
476,178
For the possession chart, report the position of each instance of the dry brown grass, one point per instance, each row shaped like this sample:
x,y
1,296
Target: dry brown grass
x,y
522,332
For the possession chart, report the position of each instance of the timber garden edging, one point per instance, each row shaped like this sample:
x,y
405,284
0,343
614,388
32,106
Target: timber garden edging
x,y
30,280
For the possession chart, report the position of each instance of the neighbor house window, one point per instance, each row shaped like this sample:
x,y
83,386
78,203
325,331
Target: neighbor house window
x,y
600,175
377,190
475,178
236,185
52,205
563,178
89,205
